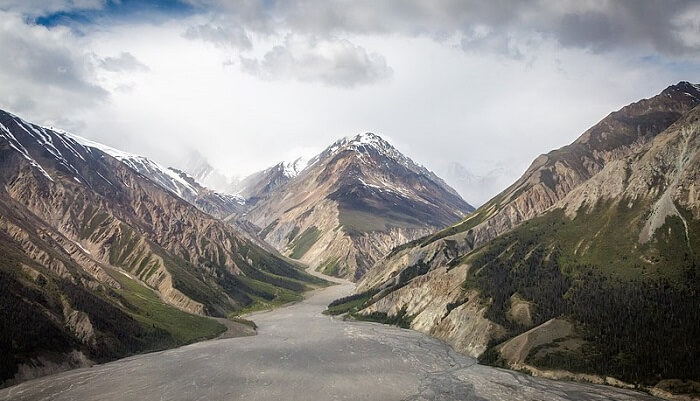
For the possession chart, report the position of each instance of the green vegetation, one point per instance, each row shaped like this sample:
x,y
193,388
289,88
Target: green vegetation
x,y
605,237
636,306
126,321
304,242
92,220
349,304
686,387
467,224
357,222
472,220
261,304
269,228
352,304
408,245
330,268
246,322
348,307
401,319
149,310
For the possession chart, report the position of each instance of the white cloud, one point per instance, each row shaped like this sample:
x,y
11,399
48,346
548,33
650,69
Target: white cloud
x,y
593,25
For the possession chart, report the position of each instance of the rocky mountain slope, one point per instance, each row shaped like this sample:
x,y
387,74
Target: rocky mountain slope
x,y
352,204
259,185
98,261
219,205
589,263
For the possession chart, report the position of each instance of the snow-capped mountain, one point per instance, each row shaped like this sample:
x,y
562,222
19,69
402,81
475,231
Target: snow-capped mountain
x,y
351,204
217,204
258,185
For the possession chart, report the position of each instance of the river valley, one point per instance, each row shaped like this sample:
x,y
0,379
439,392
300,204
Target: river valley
x,y
301,354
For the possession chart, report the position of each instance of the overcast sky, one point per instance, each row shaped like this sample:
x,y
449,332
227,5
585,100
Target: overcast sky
x,y
487,84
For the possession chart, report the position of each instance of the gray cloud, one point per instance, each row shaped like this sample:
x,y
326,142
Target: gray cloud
x,y
45,73
220,35
48,64
125,62
657,25
334,62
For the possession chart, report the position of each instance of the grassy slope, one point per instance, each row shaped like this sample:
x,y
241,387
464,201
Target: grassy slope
x,y
126,321
304,242
149,310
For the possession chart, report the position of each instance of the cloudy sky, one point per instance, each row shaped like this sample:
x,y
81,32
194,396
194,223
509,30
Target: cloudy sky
x,y
486,84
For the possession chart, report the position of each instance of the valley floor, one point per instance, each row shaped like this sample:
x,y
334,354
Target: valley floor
x,y
300,354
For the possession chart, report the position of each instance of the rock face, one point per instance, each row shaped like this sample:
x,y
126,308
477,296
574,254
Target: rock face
x,y
352,204
603,231
83,232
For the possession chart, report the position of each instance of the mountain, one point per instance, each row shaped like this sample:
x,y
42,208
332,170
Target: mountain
x,y
217,204
258,185
98,261
351,205
588,266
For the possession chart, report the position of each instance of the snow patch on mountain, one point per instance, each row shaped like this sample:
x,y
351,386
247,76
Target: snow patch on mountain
x,y
293,168
14,144
163,176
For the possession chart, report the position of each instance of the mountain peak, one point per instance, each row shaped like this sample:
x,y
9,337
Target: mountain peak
x,y
369,142
690,89
364,139
367,138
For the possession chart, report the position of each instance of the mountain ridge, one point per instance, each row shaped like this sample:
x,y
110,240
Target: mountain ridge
x,y
600,233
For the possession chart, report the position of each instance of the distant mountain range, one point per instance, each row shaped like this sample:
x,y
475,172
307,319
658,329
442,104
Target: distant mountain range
x,y
589,264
